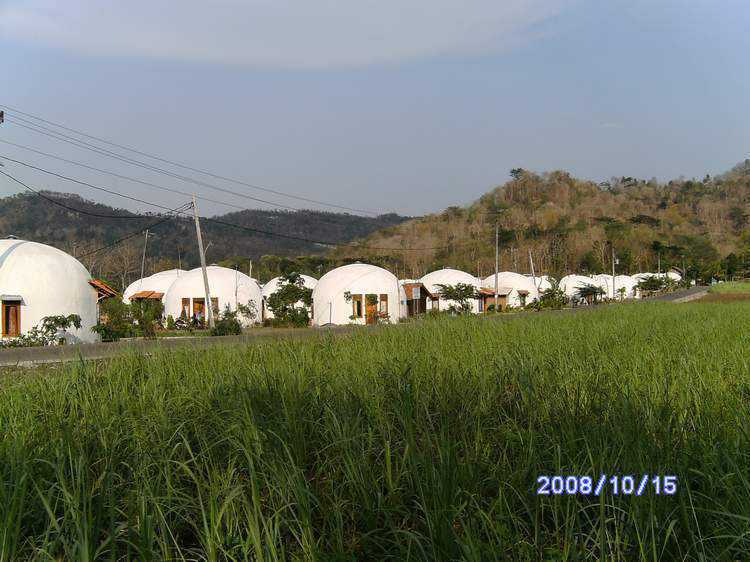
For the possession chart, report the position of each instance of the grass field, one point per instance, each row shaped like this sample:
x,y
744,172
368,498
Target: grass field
x,y
732,287
419,442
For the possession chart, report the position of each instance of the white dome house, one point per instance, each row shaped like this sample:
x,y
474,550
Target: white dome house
x,y
156,283
228,287
630,285
571,283
373,293
273,285
518,289
37,280
449,276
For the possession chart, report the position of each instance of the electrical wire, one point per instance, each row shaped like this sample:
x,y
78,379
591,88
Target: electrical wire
x,y
69,208
110,154
190,168
220,221
80,182
136,233
120,176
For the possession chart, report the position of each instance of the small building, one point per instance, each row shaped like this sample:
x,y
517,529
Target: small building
x,y
417,298
273,285
517,290
448,276
186,297
357,293
152,287
36,281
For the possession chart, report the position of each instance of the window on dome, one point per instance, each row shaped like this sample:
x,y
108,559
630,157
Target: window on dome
x,y
199,309
383,304
11,319
357,306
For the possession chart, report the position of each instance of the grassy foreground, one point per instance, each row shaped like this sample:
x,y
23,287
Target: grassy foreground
x,y
732,287
421,442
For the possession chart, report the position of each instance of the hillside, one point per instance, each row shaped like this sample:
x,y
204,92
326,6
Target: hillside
x,y
173,244
568,224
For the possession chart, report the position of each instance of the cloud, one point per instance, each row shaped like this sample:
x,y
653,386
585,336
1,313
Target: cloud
x,y
277,33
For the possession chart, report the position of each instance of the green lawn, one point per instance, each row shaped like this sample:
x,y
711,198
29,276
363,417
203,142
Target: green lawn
x,y
732,287
419,442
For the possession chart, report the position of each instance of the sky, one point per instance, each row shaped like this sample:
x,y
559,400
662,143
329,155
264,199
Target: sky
x,y
404,106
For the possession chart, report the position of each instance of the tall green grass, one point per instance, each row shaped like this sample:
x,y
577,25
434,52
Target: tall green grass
x,y
731,287
418,442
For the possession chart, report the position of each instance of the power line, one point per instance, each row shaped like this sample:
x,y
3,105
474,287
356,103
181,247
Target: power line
x,y
322,214
69,208
136,233
80,182
190,168
120,176
220,221
110,154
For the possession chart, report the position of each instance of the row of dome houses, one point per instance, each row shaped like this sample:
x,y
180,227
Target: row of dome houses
x,y
37,280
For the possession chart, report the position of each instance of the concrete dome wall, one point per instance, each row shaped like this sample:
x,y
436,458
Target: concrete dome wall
x,y
50,283
329,300
543,283
516,282
449,276
159,282
227,285
273,285
571,283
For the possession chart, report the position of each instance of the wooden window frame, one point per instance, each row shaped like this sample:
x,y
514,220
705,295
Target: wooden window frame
x,y
383,304
4,305
357,306
186,309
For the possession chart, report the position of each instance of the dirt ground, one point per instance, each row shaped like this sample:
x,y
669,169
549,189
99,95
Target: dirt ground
x,y
725,297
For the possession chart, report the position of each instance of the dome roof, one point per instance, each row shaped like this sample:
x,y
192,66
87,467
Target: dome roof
x,y
273,285
448,276
510,280
158,282
356,278
571,283
49,282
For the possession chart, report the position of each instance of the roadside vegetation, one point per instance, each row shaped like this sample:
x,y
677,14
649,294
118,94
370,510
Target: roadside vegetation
x,y
419,442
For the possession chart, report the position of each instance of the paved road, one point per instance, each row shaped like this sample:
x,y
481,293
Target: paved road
x,y
30,356
691,294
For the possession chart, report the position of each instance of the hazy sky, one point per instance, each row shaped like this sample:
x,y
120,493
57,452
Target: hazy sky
x,y
390,105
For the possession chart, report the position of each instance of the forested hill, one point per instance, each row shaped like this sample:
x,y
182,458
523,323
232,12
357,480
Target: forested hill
x,y
34,218
568,225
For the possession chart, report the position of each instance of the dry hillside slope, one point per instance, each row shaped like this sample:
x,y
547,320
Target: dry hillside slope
x,y
568,224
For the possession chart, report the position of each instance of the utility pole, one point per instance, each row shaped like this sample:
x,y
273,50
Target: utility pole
x,y
531,264
613,271
143,259
497,260
207,306
250,269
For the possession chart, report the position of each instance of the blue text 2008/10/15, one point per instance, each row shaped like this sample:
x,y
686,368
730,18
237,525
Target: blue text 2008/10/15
x,y
617,485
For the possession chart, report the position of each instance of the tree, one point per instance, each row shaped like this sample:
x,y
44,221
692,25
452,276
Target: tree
x,y
461,294
589,293
291,302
